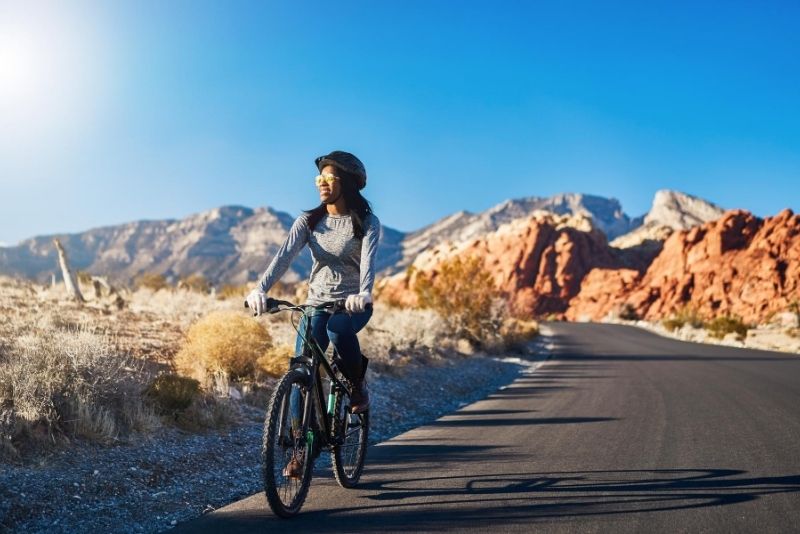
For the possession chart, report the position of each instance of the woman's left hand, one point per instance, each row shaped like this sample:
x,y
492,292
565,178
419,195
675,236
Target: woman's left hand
x,y
358,303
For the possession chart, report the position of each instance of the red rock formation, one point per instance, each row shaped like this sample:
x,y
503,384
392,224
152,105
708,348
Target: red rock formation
x,y
538,263
739,265
602,292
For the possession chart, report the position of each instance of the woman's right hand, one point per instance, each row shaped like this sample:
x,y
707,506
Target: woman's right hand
x,y
257,300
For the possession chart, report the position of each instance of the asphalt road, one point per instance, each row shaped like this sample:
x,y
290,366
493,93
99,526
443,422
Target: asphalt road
x,y
620,431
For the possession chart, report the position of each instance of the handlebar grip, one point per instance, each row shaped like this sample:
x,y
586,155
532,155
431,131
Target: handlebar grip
x,y
272,304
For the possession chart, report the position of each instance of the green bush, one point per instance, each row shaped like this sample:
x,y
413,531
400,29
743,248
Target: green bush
x,y
682,317
172,393
726,324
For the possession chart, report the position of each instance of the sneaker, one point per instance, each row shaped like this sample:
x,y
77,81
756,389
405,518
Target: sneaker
x,y
359,400
294,469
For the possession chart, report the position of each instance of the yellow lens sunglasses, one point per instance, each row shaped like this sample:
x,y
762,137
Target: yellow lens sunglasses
x,y
329,178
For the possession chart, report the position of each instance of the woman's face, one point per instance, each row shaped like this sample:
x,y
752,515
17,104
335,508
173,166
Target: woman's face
x,y
329,191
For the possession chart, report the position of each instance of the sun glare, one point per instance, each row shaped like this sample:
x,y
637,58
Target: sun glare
x,y
49,72
19,65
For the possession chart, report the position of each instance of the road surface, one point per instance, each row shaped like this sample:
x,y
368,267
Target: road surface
x,y
620,431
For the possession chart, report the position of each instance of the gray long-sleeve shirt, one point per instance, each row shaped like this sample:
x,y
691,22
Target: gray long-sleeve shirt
x,y
343,265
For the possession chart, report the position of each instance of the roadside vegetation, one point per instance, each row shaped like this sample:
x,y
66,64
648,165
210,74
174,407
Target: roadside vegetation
x,y
462,293
161,354
717,327
683,317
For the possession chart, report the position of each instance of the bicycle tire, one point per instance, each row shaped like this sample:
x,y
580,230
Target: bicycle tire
x,y
348,457
282,501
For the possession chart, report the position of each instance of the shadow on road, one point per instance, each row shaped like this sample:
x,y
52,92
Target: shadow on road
x,y
518,421
429,503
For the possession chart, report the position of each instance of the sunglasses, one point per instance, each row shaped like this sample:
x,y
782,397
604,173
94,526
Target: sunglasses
x,y
323,178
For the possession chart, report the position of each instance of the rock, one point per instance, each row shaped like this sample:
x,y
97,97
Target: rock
x,y
671,210
537,262
738,265
787,320
600,294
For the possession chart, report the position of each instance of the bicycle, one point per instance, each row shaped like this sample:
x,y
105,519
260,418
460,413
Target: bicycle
x,y
297,426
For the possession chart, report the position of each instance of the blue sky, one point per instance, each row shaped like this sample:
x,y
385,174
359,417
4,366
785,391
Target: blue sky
x,y
115,111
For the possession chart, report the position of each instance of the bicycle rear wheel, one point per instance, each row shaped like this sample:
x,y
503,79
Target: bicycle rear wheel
x,y
353,432
283,440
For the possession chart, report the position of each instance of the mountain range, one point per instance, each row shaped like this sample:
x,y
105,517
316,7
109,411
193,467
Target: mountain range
x,y
233,244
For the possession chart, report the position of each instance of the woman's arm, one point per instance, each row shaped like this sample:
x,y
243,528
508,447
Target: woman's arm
x,y
369,251
298,237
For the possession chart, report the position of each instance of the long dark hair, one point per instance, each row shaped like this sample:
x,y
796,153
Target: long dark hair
x,y
357,205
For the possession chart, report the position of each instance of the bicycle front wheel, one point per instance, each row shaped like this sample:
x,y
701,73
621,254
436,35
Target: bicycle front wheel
x,y
352,431
287,456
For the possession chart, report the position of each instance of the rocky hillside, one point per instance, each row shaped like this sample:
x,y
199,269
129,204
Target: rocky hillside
x,y
738,264
231,244
671,210
604,213
538,262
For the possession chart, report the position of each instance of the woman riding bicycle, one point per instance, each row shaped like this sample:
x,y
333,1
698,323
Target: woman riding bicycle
x,y
342,233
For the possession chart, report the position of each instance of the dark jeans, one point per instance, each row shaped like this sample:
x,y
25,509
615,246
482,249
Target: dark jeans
x,y
339,329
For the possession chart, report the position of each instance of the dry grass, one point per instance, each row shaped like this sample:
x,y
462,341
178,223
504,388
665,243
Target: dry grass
x,y
70,371
70,383
151,281
223,342
275,362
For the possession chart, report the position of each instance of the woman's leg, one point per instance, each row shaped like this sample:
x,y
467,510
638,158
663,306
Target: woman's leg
x,y
318,332
341,330
320,335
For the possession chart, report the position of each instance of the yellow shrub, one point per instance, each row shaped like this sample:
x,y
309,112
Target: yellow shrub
x,y
276,361
223,342
463,293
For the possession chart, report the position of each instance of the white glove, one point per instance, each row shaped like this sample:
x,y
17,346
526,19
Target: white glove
x,y
358,303
257,300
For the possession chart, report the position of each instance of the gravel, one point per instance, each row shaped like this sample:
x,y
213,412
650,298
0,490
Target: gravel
x,y
153,484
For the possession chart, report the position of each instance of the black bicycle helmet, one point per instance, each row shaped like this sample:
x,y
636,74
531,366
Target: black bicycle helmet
x,y
346,162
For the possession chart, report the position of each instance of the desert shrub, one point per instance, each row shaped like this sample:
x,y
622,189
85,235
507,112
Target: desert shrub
x,y
628,313
275,362
682,317
69,383
208,411
517,333
225,342
195,282
152,281
463,293
229,291
172,393
84,277
726,324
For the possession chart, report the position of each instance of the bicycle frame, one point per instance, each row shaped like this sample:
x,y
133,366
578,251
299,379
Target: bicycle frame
x,y
312,358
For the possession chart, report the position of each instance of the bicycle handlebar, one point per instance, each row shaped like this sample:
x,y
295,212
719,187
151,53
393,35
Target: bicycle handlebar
x,y
273,305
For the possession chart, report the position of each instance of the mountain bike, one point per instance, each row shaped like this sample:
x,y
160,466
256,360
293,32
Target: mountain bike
x,y
308,414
